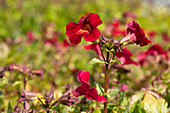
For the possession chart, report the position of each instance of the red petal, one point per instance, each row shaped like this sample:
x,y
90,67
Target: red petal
x,y
81,20
95,34
72,30
133,27
101,98
124,57
155,50
81,90
95,47
92,94
75,38
127,52
94,20
83,77
127,60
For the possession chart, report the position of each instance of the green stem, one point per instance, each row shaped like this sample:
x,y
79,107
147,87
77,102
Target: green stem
x,y
106,80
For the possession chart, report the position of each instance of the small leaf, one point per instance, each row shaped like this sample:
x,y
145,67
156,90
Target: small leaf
x,y
17,83
9,108
115,61
114,92
113,52
99,88
95,60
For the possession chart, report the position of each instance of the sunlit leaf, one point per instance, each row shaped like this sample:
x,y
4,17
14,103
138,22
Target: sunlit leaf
x,y
99,88
95,60
115,61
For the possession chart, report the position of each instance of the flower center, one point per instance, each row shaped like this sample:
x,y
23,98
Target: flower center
x,y
81,31
87,27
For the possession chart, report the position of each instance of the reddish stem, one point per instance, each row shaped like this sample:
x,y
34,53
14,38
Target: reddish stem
x,y
106,80
101,52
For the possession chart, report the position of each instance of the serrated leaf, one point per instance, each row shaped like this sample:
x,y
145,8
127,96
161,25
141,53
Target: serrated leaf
x,y
96,60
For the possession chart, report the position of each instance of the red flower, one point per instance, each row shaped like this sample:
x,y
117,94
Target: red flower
x,y
85,27
129,15
116,29
123,87
84,88
142,58
66,43
138,34
31,37
51,41
156,50
95,47
152,34
124,56
166,37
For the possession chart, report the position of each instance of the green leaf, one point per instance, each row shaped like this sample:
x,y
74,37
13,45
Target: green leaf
x,y
17,83
114,92
154,105
139,109
115,61
96,111
113,51
9,108
1,93
99,88
96,60
126,110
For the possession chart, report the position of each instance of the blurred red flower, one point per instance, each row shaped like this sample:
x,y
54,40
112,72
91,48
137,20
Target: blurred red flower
x,y
155,51
142,59
128,14
85,27
152,34
124,57
166,37
138,35
123,87
51,41
30,37
84,88
116,29
94,47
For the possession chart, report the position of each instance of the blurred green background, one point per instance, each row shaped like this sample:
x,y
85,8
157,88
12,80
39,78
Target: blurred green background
x,y
19,16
